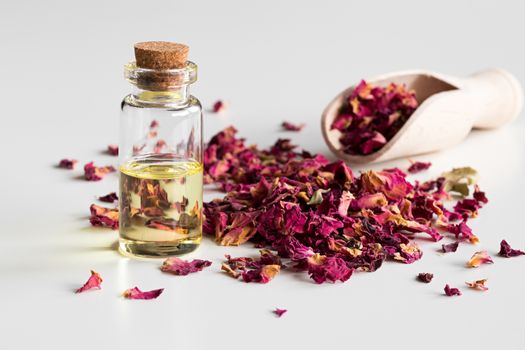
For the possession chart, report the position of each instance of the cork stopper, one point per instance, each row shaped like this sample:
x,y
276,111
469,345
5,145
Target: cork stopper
x,y
161,55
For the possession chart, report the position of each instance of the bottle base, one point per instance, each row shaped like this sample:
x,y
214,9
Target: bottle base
x,y
144,249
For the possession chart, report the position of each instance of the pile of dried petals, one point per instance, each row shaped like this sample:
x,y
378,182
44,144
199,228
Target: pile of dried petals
x,y
326,220
372,115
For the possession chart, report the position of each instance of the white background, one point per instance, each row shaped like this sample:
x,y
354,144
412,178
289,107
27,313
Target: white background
x,y
61,84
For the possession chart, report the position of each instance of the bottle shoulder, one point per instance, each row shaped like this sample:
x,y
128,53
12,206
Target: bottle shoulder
x,y
130,101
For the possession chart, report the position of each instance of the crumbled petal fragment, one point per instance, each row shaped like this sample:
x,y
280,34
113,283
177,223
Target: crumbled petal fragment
x,y
416,167
480,258
104,217
109,198
450,248
136,293
180,267
94,281
507,251
94,173
425,277
219,106
328,221
292,127
154,124
372,115
113,150
67,163
449,291
279,312
479,285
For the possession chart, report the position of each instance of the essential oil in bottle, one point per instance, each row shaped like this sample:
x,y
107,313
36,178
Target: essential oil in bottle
x,y
161,170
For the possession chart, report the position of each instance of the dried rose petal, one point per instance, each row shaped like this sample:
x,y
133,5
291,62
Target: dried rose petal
x,y
450,248
292,127
480,258
506,250
462,231
416,167
109,198
479,284
219,106
449,291
93,173
104,217
261,270
425,277
182,267
279,312
93,281
480,195
322,268
264,274
408,253
372,115
67,163
136,293
113,150
154,124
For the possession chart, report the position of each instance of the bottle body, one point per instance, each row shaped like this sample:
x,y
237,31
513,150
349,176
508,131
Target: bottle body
x,y
161,174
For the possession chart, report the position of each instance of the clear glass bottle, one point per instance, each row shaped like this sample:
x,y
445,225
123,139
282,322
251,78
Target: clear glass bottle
x,y
160,163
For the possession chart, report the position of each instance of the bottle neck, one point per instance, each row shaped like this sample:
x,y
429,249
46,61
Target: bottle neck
x,y
173,98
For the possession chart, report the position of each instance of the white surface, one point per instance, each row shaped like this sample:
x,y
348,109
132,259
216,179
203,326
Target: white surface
x,y
61,68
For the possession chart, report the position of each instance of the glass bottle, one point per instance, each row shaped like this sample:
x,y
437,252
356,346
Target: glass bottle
x,y
160,156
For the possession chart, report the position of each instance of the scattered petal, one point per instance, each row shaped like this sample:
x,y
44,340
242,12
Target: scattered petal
x,y
93,173
449,291
136,293
109,198
279,312
93,281
506,250
425,277
416,167
180,267
292,127
480,258
113,150
479,285
219,106
67,163
450,248
104,217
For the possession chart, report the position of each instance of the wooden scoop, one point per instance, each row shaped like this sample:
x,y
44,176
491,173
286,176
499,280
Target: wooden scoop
x,y
449,107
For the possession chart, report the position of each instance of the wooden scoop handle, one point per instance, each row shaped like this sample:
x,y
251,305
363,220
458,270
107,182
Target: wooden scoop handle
x,y
497,96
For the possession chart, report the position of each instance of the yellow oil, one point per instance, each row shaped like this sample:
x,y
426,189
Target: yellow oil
x,y
160,206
